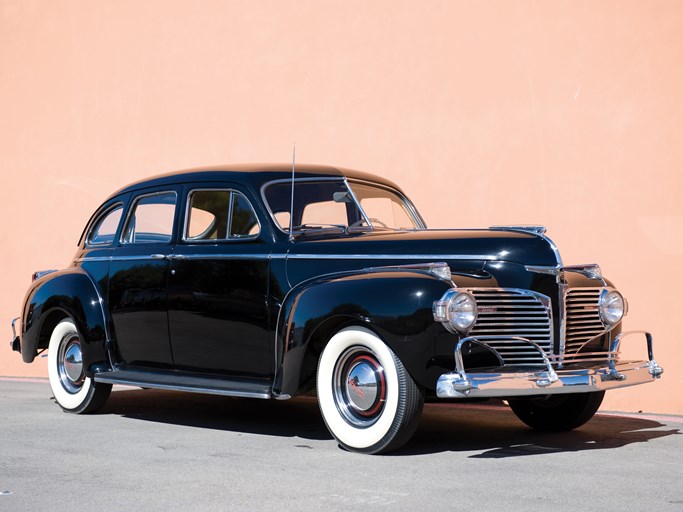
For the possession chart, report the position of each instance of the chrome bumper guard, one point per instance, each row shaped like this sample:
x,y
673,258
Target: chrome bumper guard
x,y
16,342
587,372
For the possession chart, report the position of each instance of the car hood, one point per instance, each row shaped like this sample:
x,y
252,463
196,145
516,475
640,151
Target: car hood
x,y
450,246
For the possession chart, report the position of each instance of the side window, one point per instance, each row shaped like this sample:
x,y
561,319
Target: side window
x,y
105,228
243,221
151,219
207,215
214,215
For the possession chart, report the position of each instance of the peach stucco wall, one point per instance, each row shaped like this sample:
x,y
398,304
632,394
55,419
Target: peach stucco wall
x,y
568,114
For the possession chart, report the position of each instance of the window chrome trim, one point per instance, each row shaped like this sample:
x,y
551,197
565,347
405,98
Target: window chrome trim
x,y
248,237
134,205
232,192
88,238
358,205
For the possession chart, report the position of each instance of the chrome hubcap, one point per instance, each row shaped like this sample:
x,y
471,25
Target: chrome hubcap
x,y
359,387
70,364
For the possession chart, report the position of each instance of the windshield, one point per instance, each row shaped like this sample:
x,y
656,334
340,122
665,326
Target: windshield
x,y
330,204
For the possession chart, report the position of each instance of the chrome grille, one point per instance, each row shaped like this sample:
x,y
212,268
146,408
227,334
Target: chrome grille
x,y
582,318
512,312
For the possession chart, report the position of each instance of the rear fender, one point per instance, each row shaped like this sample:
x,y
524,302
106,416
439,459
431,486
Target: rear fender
x,y
396,305
53,297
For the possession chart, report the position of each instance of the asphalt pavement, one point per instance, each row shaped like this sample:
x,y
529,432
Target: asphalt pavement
x,y
150,450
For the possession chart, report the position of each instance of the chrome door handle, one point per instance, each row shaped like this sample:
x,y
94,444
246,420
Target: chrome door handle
x,y
158,256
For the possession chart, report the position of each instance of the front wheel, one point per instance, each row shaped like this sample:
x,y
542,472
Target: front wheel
x,y
368,400
558,412
73,391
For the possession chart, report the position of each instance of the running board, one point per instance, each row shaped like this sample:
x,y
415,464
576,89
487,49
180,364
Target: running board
x,y
177,381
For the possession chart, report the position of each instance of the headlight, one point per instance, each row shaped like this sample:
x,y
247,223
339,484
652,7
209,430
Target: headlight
x,y
612,307
457,310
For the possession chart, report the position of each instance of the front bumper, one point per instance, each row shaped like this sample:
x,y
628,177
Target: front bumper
x,y
578,376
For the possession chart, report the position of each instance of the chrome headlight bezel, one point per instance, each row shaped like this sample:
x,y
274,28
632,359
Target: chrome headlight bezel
x,y
457,311
612,307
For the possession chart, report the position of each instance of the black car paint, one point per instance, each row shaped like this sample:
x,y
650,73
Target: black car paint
x,y
272,302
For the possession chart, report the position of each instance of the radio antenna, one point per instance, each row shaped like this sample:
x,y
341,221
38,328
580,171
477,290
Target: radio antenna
x,y
291,206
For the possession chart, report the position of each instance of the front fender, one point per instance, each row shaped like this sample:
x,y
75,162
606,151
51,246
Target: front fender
x,y
397,305
69,292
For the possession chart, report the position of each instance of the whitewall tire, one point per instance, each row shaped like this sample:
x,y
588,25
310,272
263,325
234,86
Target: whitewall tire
x,y
73,391
368,400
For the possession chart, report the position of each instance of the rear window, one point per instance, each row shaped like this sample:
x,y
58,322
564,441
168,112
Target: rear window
x,y
105,227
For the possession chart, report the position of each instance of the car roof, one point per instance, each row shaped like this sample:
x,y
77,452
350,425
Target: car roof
x,y
255,175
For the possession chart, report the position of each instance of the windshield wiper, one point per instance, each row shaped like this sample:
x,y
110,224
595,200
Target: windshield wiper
x,y
319,227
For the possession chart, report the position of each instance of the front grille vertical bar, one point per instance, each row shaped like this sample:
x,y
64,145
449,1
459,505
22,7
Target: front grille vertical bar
x,y
562,287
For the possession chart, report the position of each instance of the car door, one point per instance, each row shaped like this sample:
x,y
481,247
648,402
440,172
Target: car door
x,y
138,280
218,287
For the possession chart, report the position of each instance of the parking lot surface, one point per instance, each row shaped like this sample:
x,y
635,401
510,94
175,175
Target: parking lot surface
x,y
151,450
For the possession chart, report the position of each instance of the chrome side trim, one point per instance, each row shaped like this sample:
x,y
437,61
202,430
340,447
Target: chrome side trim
x,y
225,256
424,257
218,256
133,257
427,258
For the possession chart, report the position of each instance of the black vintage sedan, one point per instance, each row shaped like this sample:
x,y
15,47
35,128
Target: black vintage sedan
x,y
266,281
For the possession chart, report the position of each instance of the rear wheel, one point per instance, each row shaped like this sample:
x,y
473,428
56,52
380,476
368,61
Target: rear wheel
x,y
73,391
368,400
557,412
